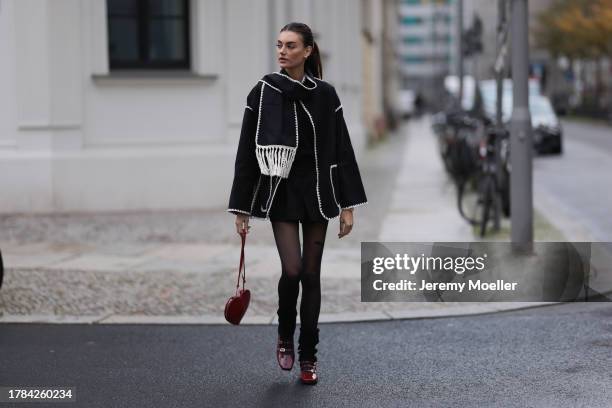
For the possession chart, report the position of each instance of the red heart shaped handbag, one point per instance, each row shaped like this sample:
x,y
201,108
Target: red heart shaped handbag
x,y
237,305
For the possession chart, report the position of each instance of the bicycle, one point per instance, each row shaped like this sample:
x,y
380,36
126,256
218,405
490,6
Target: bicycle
x,y
494,180
456,143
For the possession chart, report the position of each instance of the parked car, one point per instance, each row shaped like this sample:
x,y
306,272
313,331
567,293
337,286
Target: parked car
x,y
471,98
547,130
547,134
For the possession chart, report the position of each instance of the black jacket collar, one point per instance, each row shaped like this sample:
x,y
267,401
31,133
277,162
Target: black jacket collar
x,y
291,88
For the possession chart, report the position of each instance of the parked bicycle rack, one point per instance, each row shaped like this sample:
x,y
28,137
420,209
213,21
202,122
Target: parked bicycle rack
x,y
476,152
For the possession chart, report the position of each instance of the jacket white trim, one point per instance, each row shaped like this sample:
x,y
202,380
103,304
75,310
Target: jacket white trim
x,y
342,190
316,162
299,82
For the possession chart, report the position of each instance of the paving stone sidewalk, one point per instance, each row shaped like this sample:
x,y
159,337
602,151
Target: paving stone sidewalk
x,y
180,266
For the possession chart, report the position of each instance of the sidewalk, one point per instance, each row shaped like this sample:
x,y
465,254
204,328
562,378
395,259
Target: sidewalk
x,y
180,267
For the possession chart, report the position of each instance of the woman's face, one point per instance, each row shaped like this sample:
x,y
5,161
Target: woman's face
x,y
290,50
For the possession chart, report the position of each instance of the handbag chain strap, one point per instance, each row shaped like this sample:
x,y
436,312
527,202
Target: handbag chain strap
x,y
242,267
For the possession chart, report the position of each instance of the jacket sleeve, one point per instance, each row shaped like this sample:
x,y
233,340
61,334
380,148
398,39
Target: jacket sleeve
x,y
246,168
352,193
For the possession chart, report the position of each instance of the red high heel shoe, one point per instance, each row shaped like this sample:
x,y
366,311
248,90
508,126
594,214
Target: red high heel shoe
x,y
309,372
285,354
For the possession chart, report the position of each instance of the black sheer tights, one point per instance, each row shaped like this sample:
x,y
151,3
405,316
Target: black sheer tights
x,y
296,267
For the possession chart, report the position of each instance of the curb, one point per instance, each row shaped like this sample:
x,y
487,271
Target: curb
x,y
408,314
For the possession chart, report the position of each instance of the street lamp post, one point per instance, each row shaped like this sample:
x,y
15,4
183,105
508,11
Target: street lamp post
x,y
460,49
521,183
500,60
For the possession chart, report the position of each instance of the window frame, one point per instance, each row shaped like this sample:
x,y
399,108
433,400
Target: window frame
x,y
144,22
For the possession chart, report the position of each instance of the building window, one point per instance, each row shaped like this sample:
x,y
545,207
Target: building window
x,y
148,34
411,20
413,39
414,59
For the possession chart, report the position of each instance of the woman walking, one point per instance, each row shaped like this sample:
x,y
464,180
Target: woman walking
x,y
295,164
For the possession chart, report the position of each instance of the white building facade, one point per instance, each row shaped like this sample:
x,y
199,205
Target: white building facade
x,y
110,108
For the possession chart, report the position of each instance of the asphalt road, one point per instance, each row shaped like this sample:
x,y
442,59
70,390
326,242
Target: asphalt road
x,y
599,135
555,356
578,181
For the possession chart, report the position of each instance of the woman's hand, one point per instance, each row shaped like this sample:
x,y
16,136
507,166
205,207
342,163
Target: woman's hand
x,y
242,222
346,222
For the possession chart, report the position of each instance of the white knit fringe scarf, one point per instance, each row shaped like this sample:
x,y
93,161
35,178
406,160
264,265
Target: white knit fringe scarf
x,y
275,159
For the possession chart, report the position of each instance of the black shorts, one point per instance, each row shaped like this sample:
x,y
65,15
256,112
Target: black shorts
x,y
296,197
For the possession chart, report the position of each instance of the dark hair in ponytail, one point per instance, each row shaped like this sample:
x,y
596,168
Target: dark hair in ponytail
x,y
313,62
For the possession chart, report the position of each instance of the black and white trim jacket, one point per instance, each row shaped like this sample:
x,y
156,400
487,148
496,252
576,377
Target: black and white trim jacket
x,y
338,180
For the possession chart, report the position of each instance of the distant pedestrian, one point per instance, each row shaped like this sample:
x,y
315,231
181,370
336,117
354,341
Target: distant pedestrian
x,y
419,103
295,164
